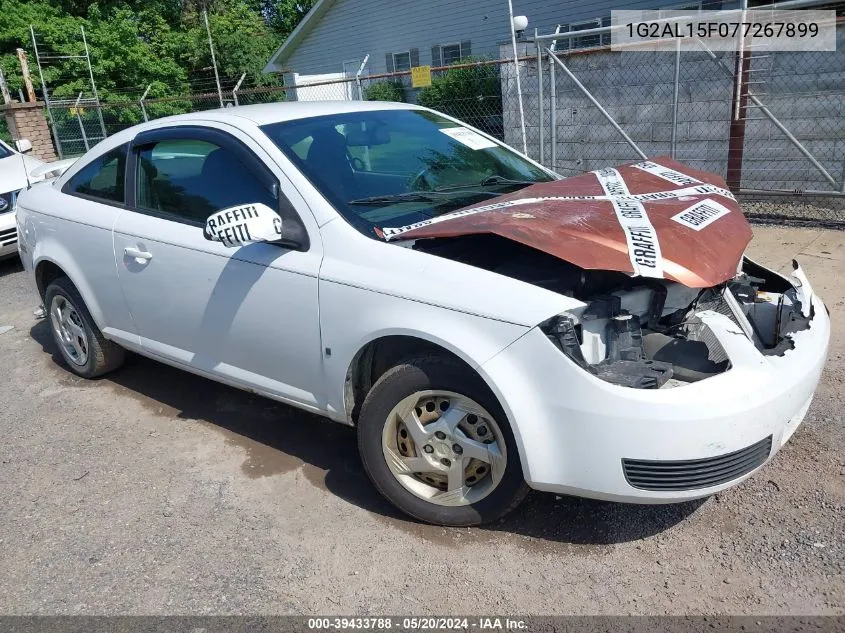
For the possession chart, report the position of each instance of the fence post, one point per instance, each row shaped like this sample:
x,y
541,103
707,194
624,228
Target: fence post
x,y
236,88
842,190
44,90
540,94
141,103
213,58
674,143
598,105
358,77
553,104
739,105
93,83
79,120
553,113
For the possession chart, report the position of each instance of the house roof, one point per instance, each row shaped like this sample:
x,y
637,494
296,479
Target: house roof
x,y
297,35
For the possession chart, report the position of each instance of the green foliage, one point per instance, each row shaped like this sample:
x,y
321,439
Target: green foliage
x,y
4,131
282,16
135,43
385,91
472,94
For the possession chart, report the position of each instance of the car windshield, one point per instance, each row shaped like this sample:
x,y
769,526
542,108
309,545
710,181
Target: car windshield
x,y
391,168
5,152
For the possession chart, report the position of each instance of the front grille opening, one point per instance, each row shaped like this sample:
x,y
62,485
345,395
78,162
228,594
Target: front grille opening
x,y
693,474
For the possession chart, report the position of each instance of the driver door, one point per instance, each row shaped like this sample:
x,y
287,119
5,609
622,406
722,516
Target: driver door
x,y
247,316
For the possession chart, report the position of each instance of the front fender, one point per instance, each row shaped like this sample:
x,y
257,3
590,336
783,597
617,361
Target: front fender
x,y
352,317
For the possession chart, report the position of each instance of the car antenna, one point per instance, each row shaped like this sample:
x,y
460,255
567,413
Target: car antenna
x,y
25,171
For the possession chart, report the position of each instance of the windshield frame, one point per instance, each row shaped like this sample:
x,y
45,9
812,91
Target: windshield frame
x,y
6,151
475,194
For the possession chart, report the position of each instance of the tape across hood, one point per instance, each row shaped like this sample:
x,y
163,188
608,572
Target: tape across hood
x,y
657,218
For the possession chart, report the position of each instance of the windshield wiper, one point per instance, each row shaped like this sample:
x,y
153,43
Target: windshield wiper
x,y
490,180
410,196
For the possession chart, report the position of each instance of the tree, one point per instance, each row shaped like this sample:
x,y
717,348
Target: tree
x,y
138,43
385,91
282,16
470,93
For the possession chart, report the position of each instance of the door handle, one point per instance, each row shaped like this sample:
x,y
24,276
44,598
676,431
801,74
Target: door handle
x,y
136,253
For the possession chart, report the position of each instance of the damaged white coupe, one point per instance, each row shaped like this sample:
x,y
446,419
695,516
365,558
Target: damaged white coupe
x,y
485,325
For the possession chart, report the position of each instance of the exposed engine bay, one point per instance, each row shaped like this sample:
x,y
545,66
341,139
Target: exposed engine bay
x,y
639,332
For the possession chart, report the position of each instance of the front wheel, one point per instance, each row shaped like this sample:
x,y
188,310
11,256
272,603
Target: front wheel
x,y
437,445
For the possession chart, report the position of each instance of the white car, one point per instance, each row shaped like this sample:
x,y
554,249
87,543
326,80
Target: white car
x,y
14,167
486,326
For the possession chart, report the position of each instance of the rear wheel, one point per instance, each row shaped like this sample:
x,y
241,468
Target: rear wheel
x,y
83,347
437,444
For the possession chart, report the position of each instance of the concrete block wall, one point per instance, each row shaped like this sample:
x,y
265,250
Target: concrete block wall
x,y
806,91
28,120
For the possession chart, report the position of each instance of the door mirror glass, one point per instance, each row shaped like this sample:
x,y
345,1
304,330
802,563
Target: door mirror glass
x,y
244,224
23,146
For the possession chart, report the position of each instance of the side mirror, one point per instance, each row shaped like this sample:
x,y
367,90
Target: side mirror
x,y
244,224
23,145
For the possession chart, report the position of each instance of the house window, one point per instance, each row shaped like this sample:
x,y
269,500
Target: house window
x,y
402,62
688,7
588,41
447,54
451,53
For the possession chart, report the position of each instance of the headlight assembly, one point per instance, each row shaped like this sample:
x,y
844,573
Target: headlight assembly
x,y
624,363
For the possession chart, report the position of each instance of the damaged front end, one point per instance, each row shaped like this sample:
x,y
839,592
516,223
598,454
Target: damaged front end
x,y
652,335
646,333
655,253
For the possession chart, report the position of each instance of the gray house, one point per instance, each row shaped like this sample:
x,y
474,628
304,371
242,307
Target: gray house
x,y
337,35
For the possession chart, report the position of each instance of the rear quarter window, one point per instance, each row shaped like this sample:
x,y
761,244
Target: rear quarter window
x,y
102,179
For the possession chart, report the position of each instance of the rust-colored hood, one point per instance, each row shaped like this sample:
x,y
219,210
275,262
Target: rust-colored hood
x,y
657,219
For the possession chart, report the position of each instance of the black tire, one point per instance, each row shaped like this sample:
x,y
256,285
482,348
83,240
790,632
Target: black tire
x,y
435,373
103,355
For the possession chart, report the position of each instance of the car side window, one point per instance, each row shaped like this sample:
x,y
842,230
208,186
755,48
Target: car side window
x,y
191,179
103,178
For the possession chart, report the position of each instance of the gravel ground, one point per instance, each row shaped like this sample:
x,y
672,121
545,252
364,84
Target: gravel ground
x,y
156,492
819,211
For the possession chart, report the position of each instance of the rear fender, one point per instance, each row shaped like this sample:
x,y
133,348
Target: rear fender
x,y
48,249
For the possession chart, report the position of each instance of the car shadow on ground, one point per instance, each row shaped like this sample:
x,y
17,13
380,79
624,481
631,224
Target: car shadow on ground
x,y
278,438
10,266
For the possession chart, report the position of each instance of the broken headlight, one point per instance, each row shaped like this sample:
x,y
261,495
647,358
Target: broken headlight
x,y
624,363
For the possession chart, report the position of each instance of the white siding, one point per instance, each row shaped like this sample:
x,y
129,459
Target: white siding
x,y
351,29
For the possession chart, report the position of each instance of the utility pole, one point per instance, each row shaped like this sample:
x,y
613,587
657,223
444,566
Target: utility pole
x,y
27,80
4,89
213,59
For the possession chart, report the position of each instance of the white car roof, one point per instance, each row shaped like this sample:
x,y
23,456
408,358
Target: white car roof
x,y
259,114
264,113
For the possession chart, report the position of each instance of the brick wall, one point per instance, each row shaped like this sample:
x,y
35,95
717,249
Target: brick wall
x,y
28,120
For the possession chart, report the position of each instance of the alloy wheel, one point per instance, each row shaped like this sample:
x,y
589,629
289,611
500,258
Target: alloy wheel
x,y
444,447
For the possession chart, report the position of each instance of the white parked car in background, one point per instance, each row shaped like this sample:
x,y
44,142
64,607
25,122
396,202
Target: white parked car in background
x,y
14,167
486,326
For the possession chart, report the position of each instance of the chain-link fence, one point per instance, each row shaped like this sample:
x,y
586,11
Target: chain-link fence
x,y
771,123
779,142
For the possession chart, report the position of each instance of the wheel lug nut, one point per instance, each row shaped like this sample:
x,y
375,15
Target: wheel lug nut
x,y
457,448
428,448
446,462
440,435
482,430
